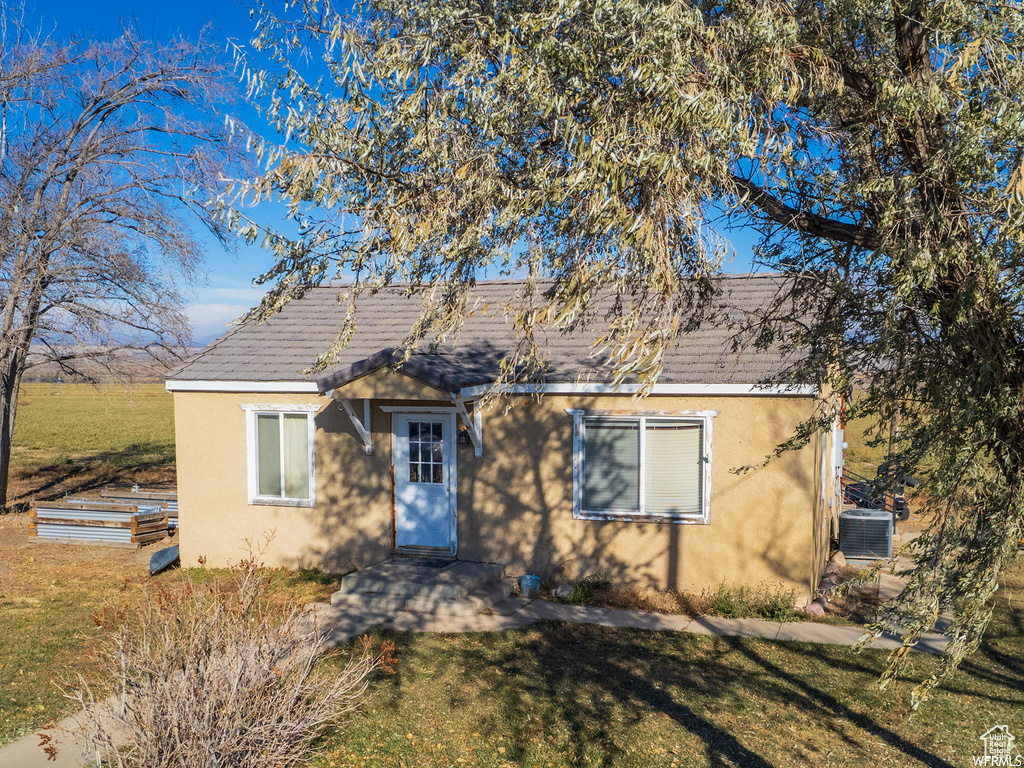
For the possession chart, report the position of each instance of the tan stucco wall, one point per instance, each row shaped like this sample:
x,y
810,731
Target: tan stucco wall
x,y
350,525
515,502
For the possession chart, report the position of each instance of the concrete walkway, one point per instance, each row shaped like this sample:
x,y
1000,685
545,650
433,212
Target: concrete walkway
x,y
516,612
341,625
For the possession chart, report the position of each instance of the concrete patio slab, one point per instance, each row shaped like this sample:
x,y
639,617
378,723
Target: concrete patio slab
x,y
413,622
26,752
808,632
338,625
452,582
509,605
931,643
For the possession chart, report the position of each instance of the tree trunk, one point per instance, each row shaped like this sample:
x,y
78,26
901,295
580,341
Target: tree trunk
x,y
10,380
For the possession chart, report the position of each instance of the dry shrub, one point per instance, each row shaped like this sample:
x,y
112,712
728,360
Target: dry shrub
x,y
767,600
634,598
218,674
859,604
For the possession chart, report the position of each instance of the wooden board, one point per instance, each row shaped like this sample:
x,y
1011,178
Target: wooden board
x,y
90,542
145,538
142,493
159,525
126,523
150,517
99,506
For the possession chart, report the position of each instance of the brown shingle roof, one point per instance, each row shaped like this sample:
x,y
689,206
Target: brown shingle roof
x,y
282,347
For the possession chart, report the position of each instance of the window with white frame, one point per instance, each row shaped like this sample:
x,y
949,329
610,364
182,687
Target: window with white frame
x,y
280,454
642,467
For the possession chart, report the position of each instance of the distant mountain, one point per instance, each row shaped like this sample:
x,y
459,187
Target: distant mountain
x,y
95,366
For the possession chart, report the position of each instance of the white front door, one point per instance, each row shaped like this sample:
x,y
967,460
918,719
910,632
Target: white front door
x,y
424,456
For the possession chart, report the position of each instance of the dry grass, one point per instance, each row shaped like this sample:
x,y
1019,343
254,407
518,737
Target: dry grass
x,y
48,595
632,598
768,600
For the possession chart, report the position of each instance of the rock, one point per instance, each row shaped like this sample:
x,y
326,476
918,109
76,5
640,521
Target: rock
x,y
564,591
832,570
838,558
814,609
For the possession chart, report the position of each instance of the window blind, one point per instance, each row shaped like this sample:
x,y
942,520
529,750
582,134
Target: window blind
x,y
673,476
611,465
296,456
268,446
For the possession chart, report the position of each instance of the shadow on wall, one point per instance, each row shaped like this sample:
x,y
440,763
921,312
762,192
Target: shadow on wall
x,y
353,512
515,505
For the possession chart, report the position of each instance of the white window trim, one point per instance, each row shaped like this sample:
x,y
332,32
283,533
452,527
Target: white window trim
x,y
704,418
251,411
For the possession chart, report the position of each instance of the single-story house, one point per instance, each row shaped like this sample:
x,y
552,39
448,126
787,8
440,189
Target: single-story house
x,y
364,462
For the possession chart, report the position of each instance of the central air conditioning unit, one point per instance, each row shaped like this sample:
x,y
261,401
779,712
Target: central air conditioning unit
x,y
866,534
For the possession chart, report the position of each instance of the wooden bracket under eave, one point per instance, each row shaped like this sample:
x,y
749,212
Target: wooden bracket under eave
x,y
474,424
362,427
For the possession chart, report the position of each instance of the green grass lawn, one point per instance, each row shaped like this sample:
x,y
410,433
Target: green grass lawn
x,y
566,695
70,438
45,644
66,419
861,457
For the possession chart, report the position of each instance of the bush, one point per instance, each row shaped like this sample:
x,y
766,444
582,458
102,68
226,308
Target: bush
x,y
585,589
218,674
765,601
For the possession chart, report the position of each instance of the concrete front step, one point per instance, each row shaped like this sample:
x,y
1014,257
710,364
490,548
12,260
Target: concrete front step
x,y
369,602
458,589
405,578
470,605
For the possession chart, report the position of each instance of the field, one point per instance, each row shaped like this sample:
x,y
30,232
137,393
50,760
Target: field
x,y
70,438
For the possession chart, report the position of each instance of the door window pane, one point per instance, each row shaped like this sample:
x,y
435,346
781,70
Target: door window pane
x,y
426,452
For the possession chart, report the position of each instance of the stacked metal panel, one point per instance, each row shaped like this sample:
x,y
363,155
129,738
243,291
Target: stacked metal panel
x,y
102,522
169,499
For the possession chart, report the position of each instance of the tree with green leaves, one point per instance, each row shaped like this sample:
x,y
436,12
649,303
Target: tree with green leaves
x,y
608,145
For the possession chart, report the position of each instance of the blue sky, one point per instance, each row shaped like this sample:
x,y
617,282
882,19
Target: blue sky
x,y
227,291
